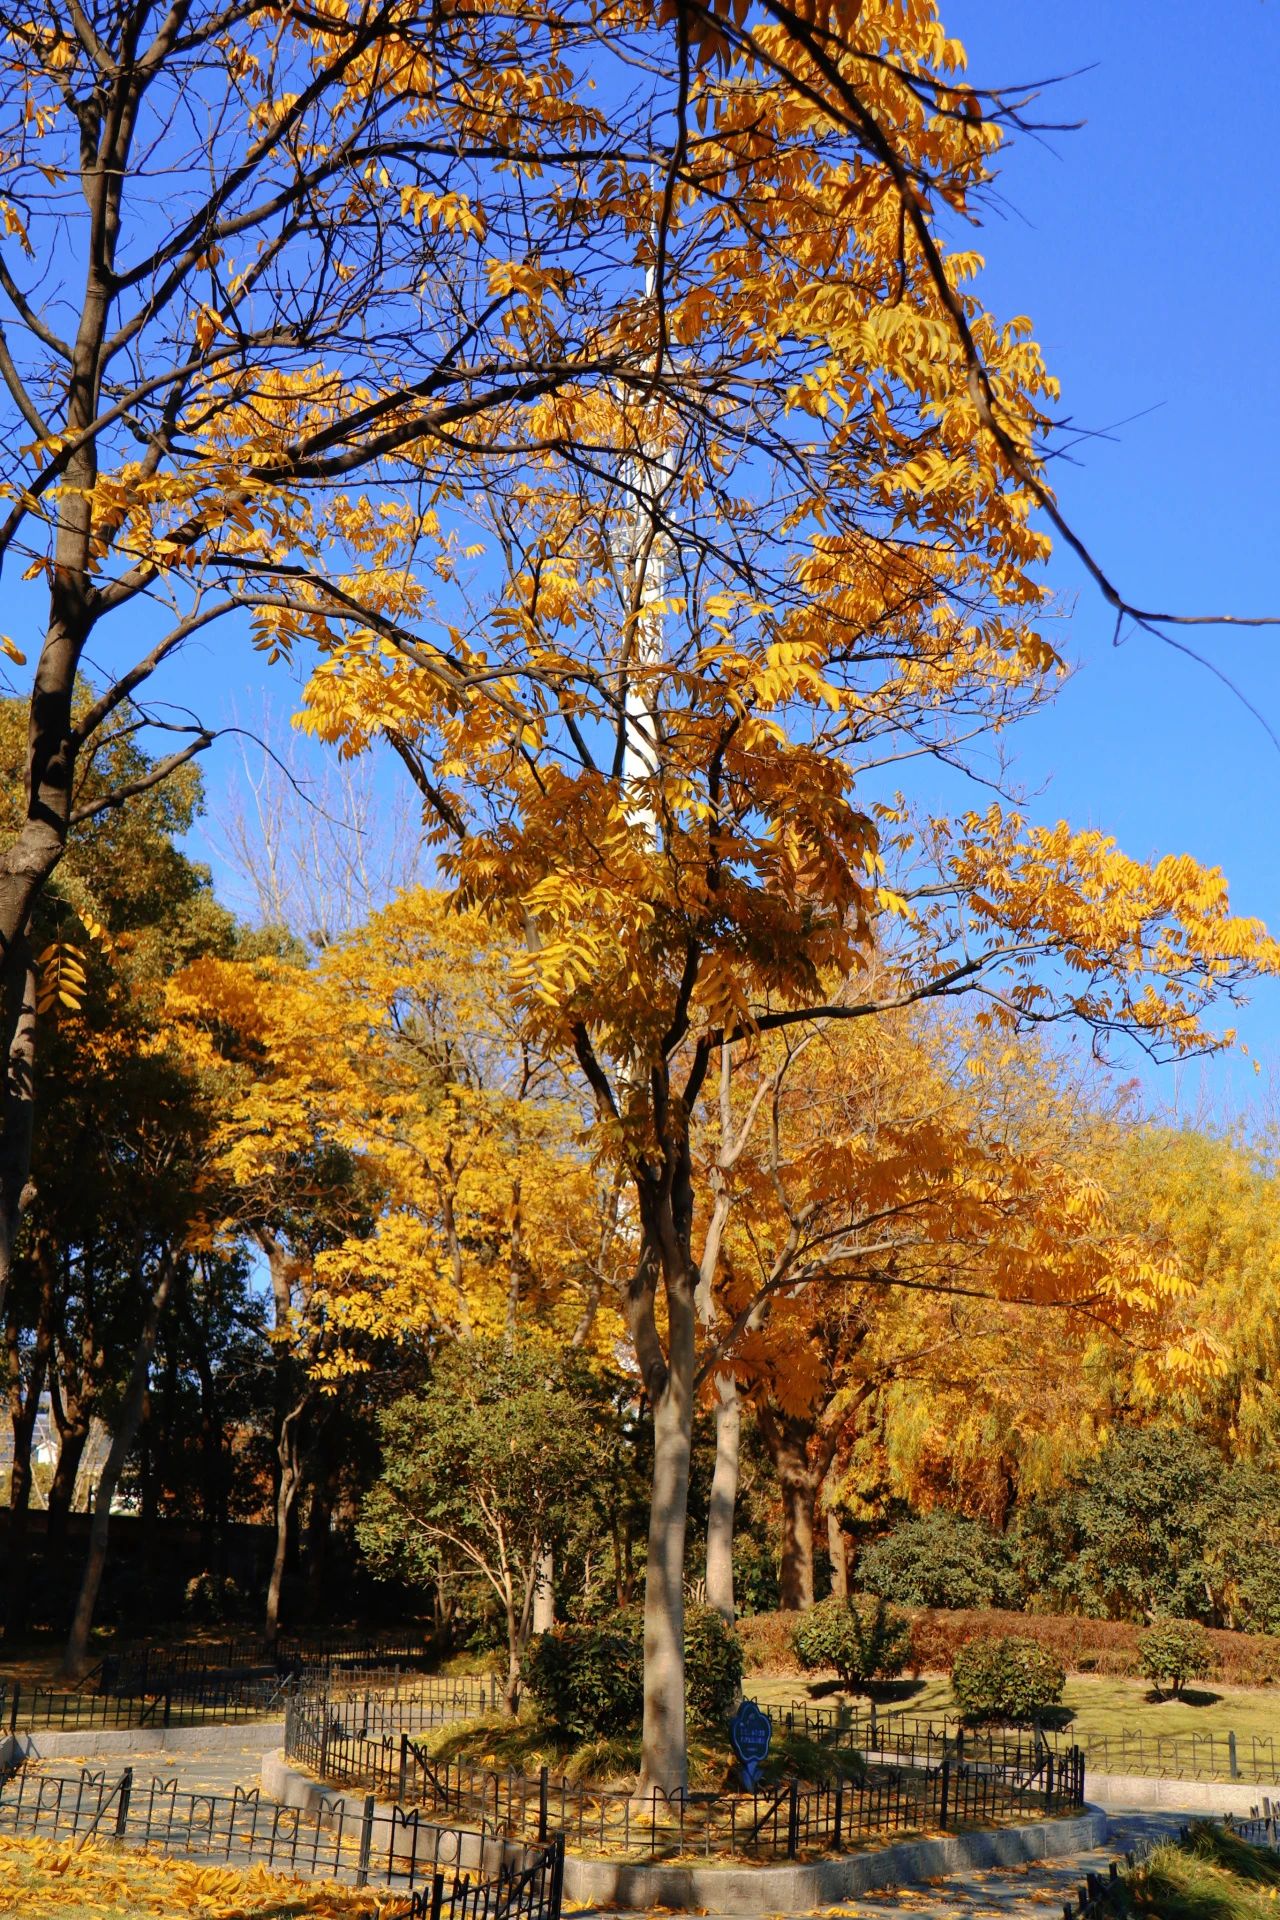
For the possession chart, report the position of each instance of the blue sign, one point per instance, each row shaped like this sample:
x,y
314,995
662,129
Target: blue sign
x,y
750,1732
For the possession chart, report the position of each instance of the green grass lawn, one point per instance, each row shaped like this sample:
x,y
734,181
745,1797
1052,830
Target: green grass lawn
x,y
1098,1705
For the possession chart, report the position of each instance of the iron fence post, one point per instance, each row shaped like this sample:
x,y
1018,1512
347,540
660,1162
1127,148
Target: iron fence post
x,y
946,1782
13,1706
836,1837
437,1895
542,1804
404,1767
122,1805
793,1819
1233,1764
366,1842
1048,1784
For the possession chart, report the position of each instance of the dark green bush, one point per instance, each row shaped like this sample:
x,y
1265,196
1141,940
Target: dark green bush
x,y
712,1666
589,1680
862,1638
212,1598
939,1559
1171,1652
1008,1679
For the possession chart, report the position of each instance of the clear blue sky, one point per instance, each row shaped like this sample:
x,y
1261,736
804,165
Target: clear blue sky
x,y
1144,249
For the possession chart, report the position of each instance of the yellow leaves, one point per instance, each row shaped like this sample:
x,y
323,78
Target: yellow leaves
x,y
61,977
12,223
452,212
43,1879
11,651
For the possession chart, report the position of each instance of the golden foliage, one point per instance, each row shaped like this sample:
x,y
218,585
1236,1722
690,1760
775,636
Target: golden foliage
x,y
46,1879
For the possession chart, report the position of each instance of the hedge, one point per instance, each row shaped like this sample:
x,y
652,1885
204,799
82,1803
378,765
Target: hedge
x,y
1082,1646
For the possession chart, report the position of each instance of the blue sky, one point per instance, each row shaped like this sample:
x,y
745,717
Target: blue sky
x,y
1143,248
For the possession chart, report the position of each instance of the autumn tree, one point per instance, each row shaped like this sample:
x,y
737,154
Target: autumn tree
x,y
252,257
712,634
404,1160
921,1193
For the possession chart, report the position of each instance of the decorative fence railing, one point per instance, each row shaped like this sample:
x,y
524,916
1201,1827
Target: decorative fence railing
x,y
1261,1829
24,1707
154,1667
446,1870
1253,1758
193,1697
911,1741
786,1820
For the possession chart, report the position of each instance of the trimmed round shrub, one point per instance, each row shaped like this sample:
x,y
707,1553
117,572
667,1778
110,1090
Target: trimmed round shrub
x,y
1008,1679
1171,1652
712,1666
940,1559
861,1637
589,1680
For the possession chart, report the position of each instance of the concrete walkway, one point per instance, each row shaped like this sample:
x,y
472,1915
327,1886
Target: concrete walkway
x,y
1035,1891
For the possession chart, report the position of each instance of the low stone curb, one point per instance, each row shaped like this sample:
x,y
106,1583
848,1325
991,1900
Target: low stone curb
x,y
1147,1792
800,1888
631,1887
42,1744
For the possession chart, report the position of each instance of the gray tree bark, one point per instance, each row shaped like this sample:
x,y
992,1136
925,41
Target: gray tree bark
x,y
838,1550
724,1497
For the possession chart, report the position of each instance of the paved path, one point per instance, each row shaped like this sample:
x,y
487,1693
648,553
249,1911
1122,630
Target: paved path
x,y
196,1770
1039,1889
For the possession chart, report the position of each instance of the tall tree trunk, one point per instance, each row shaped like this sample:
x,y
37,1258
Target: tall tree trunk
x,y
17,1090
839,1555
289,1459
664,1761
318,1534
72,1438
544,1593
24,1406
787,1438
724,1497
75,1659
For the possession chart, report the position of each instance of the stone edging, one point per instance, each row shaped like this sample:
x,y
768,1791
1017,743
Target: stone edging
x,y
767,1890
1143,1792
90,1743
798,1889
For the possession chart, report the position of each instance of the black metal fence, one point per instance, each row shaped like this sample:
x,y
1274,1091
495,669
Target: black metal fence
x,y
1260,1829
151,1668
24,1707
195,1696
787,1820
1254,1758
447,1870
911,1741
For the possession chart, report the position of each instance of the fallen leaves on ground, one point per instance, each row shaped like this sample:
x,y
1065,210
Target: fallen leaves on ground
x,y
51,1880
